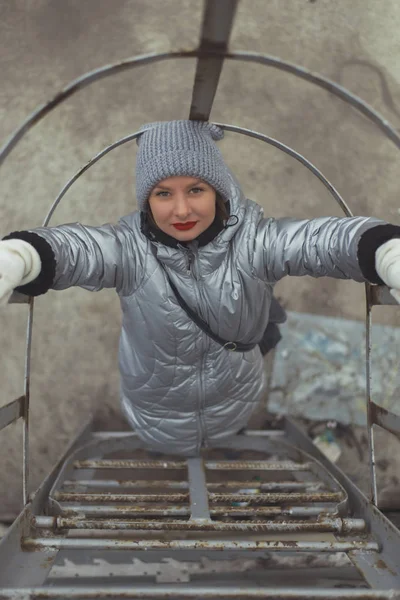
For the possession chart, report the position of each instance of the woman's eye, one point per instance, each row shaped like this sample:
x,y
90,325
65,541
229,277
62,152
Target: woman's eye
x,y
197,189
161,193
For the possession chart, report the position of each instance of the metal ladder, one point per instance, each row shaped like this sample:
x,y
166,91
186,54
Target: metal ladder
x,y
261,515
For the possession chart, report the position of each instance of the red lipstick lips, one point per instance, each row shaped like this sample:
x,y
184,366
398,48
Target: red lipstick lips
x,y
184,226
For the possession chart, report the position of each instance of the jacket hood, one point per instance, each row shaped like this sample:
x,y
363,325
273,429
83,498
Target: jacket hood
x,y
210,253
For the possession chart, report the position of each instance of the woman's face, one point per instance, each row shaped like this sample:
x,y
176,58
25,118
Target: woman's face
x,y
183,206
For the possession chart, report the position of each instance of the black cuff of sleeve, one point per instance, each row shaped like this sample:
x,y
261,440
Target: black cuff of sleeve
x,y
44,280
369,244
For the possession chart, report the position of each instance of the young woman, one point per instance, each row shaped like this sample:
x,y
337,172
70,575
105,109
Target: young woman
x,y
194,268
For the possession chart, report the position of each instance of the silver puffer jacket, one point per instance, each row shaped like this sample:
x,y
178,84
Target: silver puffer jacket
x,y
180,390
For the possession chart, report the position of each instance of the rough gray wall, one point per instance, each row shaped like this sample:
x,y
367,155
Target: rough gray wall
x,y
45,44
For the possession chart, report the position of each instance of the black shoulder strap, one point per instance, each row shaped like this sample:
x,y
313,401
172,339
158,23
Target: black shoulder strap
x,y
233,346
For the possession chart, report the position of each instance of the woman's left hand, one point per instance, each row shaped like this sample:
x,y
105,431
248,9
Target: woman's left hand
x,y
387,264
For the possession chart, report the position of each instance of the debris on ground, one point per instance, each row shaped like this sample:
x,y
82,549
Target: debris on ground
x,y
319,369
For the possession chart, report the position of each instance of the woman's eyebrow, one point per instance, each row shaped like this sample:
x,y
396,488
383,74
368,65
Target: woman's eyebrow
x,y
165,187
196,182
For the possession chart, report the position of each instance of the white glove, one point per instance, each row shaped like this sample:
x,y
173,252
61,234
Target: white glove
x,y
19,264
387,264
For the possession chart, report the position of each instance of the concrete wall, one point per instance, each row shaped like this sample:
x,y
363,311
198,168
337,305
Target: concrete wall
x,y
45,44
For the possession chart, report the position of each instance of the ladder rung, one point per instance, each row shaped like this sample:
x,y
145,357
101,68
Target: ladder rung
x,y
82,497
165,591
184,485
91,510
272,498
275,498
129,464
270,546
109,435
256,465
336,525
223,465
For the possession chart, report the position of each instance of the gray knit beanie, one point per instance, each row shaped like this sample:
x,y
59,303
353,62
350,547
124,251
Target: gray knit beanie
x,y
173,148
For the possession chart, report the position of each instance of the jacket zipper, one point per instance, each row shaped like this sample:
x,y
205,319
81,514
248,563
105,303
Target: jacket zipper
x,y
200,407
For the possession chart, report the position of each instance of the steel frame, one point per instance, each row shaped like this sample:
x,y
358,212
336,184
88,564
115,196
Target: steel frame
x,y
314,497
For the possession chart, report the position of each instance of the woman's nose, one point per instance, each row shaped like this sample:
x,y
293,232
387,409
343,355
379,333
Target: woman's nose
x,y
182,208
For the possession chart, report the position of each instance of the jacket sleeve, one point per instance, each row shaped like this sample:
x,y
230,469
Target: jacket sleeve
x,y
77,255
343,248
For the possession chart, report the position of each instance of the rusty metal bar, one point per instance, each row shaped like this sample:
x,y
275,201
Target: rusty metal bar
x,y
228,465
184,485
257,465
385,418
216,29
168,591
82,497
11,412
116,510
198,489
247,432
129,464
336,525
271,498
271,546
125,483
274,498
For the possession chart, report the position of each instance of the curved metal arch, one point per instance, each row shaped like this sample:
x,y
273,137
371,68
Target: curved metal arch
x,y
255,57
89,164
254,134
297,156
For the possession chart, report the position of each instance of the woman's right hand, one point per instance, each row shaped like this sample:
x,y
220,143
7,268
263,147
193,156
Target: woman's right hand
x,y
19,264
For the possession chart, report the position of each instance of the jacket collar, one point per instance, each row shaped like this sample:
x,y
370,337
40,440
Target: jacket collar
x,y
154,234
